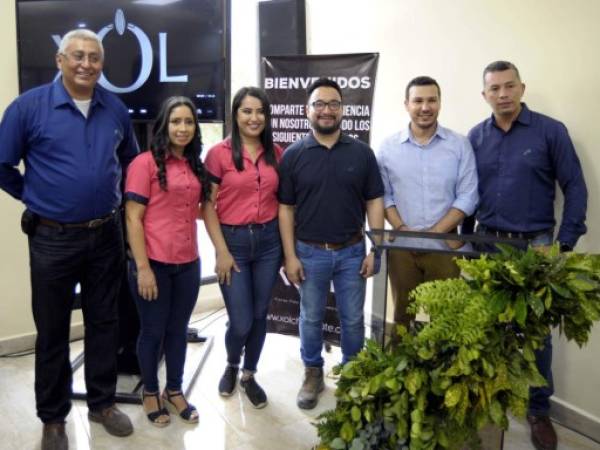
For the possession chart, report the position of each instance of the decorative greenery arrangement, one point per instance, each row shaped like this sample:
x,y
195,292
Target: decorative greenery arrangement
x,y
473,362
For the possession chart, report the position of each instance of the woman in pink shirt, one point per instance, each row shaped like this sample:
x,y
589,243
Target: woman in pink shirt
x,y
163,190
241,219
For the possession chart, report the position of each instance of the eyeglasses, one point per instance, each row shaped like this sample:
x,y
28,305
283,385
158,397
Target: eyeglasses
x,y
320,105
80,57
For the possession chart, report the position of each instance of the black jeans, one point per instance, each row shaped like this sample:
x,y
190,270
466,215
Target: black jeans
x,y
59,259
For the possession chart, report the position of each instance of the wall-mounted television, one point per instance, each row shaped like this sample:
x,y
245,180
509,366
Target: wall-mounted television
x,y
153,49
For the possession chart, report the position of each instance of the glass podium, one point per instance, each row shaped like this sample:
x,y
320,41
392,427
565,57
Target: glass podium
x,y
460,245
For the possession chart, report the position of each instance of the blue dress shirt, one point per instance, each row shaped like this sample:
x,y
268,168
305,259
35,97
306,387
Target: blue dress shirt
x,y
424,181
73,165
517,175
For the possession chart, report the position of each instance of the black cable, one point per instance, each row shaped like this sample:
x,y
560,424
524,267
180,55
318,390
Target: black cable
x,y
209,315
30,351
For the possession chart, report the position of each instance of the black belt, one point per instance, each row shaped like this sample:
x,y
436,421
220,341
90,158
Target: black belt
x,y
512,234
335,246
250,226
94,223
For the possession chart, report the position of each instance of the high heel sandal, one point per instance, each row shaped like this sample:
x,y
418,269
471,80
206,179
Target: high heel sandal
x,y
189,414
155,415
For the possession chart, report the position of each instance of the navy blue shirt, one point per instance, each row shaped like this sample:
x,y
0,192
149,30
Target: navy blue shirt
x,y
518,170
73,165
329,187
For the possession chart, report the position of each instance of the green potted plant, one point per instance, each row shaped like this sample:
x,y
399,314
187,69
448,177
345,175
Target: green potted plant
x,y
473,362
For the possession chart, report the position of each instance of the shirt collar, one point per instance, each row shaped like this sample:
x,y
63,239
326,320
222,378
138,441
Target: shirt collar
x,y
60,96
524,117
311,141
227,144
406,134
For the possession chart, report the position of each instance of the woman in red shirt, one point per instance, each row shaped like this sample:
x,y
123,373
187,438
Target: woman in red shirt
x,y
163,190
241,219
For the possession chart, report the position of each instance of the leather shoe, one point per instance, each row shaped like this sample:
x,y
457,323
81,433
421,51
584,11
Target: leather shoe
x,y
54,437
114,421
543,435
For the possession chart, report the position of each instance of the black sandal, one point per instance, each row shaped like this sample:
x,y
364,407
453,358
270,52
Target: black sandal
x,y
154,415
187,414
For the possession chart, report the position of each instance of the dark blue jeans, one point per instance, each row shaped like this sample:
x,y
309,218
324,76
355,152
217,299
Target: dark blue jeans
x,y
539,397
164,321
59,259
257,252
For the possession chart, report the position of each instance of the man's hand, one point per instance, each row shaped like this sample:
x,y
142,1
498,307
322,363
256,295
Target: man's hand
x,y
294,270
370,265
455,245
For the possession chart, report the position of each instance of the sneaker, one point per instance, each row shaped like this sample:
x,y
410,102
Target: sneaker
x,y
254,392
313,385
228,380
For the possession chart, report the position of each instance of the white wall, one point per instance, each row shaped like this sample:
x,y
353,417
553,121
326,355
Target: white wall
x,y
15,309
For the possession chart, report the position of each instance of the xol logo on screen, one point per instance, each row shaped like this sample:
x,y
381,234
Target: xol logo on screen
x,y
147,56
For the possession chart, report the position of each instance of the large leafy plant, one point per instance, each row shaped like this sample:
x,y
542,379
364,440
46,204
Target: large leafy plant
x,y
473,362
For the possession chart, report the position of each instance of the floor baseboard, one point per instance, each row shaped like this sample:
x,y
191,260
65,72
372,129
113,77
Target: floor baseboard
x,y
575,419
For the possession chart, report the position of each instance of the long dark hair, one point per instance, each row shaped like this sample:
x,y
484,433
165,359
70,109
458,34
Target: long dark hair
x,y
266,137
160,144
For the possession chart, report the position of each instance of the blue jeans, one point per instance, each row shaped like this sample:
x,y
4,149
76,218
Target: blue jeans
x,y
59,259
256,250
164,321
539,397
321,267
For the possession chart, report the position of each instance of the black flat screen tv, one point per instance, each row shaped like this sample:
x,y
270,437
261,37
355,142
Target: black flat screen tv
x,y
153,49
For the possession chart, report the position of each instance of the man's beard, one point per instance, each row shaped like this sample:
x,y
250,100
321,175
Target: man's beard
x,y
326,130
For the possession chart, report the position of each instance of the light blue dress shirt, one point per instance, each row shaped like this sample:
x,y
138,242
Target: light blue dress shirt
x,y
424,181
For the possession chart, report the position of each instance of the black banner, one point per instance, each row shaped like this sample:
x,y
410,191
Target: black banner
x,y
284,312
286,78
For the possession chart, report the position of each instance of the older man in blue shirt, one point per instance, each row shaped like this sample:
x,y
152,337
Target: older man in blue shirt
x,y
520,156
75,139
430,182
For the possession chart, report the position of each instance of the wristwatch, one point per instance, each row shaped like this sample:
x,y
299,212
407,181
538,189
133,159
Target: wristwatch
x,y
376,251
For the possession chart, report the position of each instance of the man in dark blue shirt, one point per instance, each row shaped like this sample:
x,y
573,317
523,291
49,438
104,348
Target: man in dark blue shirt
x,y
75,139
520,156
327,182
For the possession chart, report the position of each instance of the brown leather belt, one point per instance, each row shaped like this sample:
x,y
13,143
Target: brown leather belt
x,y
332,246
94,223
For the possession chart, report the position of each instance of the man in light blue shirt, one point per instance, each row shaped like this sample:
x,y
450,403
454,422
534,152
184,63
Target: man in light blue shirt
x,y
430,181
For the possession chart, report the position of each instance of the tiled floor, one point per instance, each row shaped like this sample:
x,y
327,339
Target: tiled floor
x,y
230,424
